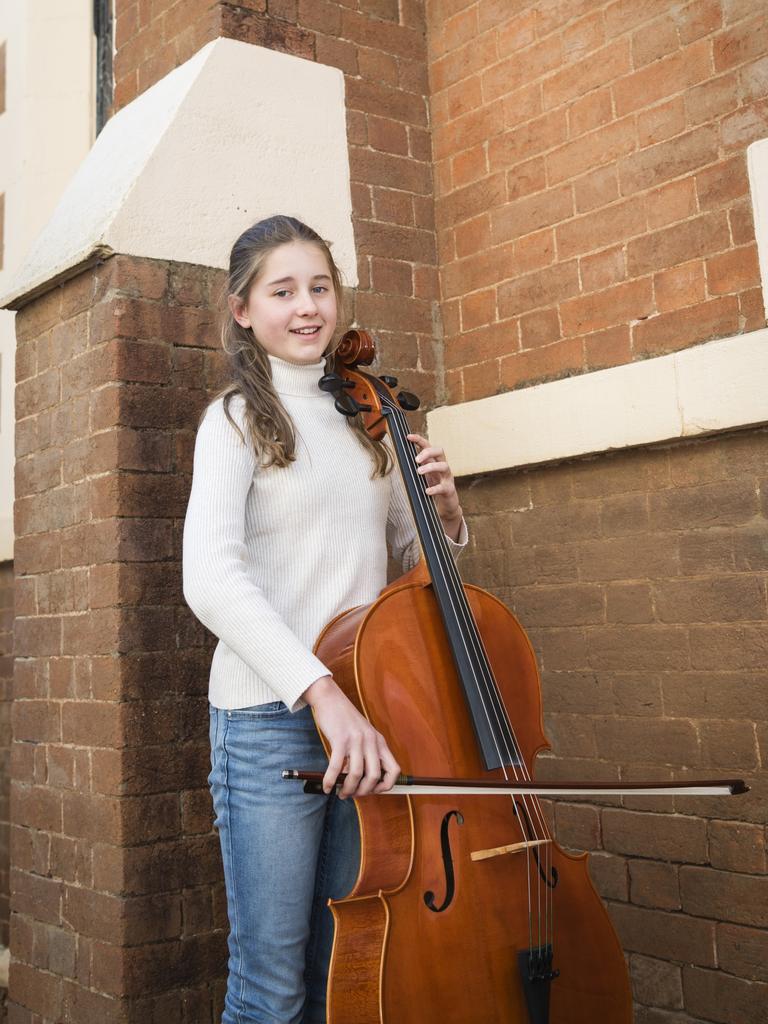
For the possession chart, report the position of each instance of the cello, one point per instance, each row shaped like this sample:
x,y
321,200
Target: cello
x,y
465,910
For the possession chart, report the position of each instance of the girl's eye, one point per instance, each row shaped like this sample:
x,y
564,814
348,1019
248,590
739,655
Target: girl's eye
x,y
318,287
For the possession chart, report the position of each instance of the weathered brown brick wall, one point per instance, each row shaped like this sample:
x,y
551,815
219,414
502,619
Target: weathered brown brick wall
x,y
591,181
117,909
6,686
641,580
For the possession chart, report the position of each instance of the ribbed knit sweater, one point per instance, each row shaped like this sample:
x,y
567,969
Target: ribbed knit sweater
x,y
270,555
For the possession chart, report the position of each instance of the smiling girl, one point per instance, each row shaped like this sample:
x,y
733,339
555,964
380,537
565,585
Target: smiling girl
x,y
290,514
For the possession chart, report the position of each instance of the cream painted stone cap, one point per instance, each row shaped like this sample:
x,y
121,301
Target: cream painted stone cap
x,y
716,386
235,134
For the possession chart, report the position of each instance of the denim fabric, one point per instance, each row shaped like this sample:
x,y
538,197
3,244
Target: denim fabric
x,y
284,854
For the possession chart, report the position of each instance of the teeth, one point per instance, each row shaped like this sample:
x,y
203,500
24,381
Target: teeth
x,y
306,330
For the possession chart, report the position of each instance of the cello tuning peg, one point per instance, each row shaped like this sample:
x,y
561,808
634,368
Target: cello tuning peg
x,y
334,382
329,382
391,382
349,406
408,401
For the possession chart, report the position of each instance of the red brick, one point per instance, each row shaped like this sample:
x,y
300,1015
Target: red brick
x,y
481,380
540,289
469,166
724,895
733,271
603,146
520,143
680,286
36,990
531,213
660,40
753,80
470,58
737,846
710,600
478,308
589,112
611,347
583,36
661,122
744,126
711,99
720,996
729,745
652,741
539,328
675,201
628,603
656,983
601,227
697,20
625,302
519,69
601,67
547,363
671,246
673,331
577,826
664,77
609,874
473,235
665,935
739,44
743,951
603,269
522,105
668,160
654,884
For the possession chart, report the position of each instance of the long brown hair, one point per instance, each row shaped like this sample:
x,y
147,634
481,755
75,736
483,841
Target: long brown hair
x,y
270,427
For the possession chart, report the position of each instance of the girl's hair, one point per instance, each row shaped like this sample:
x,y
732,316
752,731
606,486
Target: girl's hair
x,y
269,425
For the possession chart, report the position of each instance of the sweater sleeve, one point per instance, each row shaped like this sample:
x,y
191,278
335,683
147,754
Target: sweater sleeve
x,y
216,584
401,529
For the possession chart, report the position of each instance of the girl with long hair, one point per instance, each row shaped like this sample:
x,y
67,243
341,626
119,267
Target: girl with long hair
x,y
290,515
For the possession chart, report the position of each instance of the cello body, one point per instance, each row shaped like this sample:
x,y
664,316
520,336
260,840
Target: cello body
x,y
428,932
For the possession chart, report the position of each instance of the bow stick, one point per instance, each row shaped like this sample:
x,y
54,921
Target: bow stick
x,y
419,785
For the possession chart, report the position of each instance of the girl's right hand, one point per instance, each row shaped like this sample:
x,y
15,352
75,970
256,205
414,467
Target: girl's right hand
x,y
352,739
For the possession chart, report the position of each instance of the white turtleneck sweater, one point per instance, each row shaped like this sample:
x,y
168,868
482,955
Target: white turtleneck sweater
x,y
271,555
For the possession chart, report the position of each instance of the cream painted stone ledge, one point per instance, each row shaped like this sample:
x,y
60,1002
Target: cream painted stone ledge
x,y
716,386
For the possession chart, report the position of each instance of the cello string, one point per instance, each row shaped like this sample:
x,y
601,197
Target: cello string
x,y
437,535
490,686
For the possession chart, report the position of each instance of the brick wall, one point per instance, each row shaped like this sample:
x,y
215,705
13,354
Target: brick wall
x,y
641,580
591,183
6,683
116,893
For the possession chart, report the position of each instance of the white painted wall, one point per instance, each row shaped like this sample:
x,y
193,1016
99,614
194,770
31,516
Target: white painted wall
x,y
45,133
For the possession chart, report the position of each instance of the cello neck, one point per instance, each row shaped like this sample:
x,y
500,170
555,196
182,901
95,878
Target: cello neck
x,y
489,720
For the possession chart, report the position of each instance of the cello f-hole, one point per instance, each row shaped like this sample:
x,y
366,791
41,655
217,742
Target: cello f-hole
x,y
450,882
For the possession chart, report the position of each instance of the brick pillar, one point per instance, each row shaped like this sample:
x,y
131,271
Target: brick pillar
x,y
6,681
117,911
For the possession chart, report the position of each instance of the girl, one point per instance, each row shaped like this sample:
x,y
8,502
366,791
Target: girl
x,y
288,522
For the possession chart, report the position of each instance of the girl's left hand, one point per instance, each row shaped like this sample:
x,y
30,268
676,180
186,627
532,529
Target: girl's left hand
x,y
432,464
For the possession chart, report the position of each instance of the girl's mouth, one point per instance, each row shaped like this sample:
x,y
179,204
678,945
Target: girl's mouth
x,y
305,332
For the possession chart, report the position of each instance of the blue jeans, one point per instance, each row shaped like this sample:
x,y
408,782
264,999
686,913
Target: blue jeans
x,y
284,854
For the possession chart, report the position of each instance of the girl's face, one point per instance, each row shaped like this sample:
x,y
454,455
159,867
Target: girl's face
x,y
292,294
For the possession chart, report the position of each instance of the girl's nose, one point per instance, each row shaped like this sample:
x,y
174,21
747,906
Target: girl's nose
x,y
307,303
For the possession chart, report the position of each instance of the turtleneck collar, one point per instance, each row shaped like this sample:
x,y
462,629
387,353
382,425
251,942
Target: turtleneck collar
x,y
298,379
